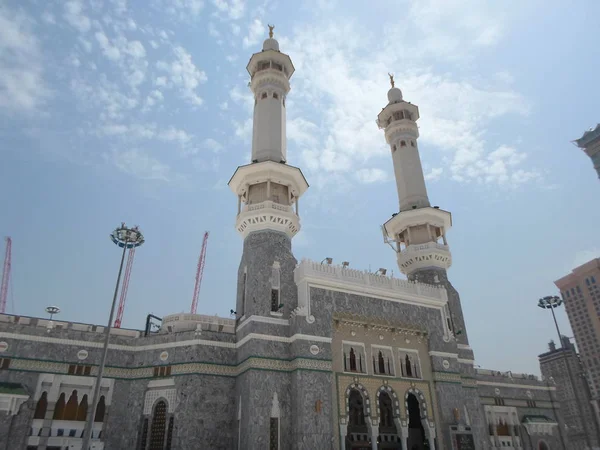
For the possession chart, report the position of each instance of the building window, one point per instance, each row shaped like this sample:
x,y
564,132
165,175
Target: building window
x,y
4,363
169,434
275,95
274,300
100,410
59,408
409,367
382,362
143,436
264,95
82,409
71,408
402,143
275,285
157,430
393,148
42,405
386,415
499,401
162,371
264,65
531,404
274,434
79,369
412,143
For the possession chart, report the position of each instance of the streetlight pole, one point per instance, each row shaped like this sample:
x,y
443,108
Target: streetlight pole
x,y
125,238
550,302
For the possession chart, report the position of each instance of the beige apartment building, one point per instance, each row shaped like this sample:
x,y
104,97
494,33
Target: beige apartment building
x,y
580,291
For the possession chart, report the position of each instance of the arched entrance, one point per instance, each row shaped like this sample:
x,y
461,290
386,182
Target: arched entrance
x,y
543,446
416,432
388,438
357,437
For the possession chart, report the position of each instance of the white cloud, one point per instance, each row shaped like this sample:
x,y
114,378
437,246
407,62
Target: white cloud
x,y
73,14
243,130
146,131
48,17
372,175
130,55
184,75
183,10
212,145
22,86
107,96
342,75
256,30
139,164
223,106
234,9
109,50
434,174
153,44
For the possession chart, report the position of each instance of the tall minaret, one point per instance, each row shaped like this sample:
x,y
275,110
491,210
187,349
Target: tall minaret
x,y
268,191
418,230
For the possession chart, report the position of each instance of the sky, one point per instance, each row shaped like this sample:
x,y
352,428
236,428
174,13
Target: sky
x,y
139,112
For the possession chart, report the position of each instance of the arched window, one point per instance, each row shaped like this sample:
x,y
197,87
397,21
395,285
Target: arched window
x,y
386,415
42,405
59,409
170,434
157,430
381,362
100,410
393,148
264,95
143,436
416,432
502,428
352,359
82,410
402,143
412,143
71,409
409,371
543,446
275,95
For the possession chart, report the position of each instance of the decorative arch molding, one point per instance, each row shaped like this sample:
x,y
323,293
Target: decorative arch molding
x,y
365,394
420,398
153,396
396,403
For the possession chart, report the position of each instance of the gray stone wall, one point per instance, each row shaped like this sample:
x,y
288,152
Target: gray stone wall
x,y
15,429
261,250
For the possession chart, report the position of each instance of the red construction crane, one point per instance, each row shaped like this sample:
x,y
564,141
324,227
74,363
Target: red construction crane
x,y
5,275
124,288
199,273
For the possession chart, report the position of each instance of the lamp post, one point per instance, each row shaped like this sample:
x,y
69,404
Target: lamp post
x,y
125,238
550,302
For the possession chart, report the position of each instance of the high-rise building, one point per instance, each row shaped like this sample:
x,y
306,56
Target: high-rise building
x,y
580,291
590,143
563,366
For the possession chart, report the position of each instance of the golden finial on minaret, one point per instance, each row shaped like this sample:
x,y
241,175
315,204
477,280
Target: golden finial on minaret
x,y
391,79
271,28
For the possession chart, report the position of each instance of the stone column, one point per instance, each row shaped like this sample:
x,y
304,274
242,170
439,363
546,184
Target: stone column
x,y
432,437
343,432
404,431
374,434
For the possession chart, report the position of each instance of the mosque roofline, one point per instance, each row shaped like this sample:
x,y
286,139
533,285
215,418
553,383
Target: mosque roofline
x,y
588,136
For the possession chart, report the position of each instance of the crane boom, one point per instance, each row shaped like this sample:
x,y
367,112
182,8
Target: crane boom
x,y
125,287
199,273
5,275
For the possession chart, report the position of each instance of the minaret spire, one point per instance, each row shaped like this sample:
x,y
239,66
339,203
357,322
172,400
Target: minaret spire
x,y
418,230
268,188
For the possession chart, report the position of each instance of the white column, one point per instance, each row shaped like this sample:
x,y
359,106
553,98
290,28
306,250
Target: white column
x,y
343,432
431,238
239,204
404,431
374,433
297,206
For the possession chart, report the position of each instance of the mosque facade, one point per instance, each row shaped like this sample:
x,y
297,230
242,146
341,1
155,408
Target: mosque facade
x,y
318,356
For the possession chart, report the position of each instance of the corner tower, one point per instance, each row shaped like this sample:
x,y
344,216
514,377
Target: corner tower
x,y
418,231
268,190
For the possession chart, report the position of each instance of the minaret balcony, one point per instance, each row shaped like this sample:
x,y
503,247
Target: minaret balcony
x,y
267,215
420,256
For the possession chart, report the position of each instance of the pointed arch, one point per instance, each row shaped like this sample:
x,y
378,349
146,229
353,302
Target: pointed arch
x,y
71,408
83,408
157,429
420,398
365,395
41,407
352,359
100,410
381,362
59,408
